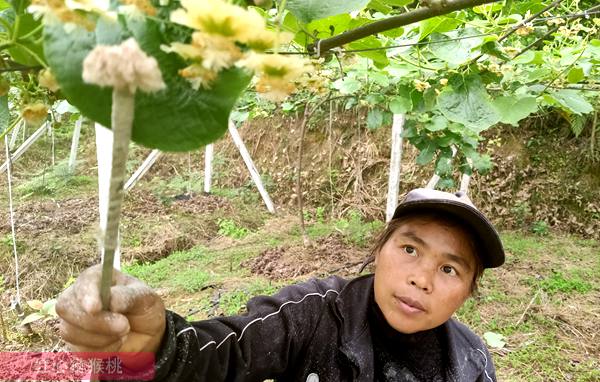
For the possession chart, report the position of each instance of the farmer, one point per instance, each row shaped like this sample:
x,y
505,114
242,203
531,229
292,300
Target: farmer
x,y
394,325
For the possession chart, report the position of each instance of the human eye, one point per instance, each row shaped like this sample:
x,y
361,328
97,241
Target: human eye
x,y
449,270
409,250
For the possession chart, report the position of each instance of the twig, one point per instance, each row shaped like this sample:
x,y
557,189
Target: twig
x,y
519,25
527,308
305,239
536,42
308,113
392,23
564,70
534,16
123,106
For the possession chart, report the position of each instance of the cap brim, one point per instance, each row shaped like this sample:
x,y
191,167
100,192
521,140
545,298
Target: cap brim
x,y
488,240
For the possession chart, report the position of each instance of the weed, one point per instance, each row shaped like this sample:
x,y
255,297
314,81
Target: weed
x,y
168,190
54,182
522,212
541,228
559,283
155,273
235,301
357,231
522,246
353,228
191,280
229,228
320,214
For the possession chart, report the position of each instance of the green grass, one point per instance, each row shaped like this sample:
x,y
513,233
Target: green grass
x,y
234,302
55,182
559,282
227,227
166,190
353,228
172,271
523,245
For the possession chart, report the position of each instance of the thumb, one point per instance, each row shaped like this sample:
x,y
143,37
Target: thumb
x,y
133,299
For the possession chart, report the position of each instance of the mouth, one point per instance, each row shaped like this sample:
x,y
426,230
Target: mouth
x,y
409,305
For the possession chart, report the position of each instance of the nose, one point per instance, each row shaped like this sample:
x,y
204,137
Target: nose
x,y
421,277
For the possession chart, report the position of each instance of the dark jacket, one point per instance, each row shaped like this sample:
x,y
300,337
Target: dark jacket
x,y
315,329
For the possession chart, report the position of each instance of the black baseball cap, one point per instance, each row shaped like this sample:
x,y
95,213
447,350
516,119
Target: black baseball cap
x,y
458,204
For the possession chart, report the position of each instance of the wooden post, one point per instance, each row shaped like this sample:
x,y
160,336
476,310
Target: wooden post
x,y
23,148
237,140
104,143
143,169
75,145
208,157
395,166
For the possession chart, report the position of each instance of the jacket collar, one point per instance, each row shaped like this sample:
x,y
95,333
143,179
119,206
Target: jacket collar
x,y
466,360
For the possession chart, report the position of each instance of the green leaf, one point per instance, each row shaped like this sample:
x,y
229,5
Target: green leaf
x,y
347,85
4,113
572,101
494,49
443,166
410,130
468,103
25,52
507,8
456,52
426,155
35,304
401,104
374,119
437,123
575,75
176,119
531,57
32,318
329,26
19,5
379,6
379,57
397,3
437,24
309,10
577,124
513,109
379,78
481,163
494,340
49,308
375,99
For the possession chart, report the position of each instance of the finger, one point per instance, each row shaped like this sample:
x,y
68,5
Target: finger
x,y
105,323
114,347
87,288
80,337
134,298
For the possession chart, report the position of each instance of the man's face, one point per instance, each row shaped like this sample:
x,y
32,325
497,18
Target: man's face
x,y
423,274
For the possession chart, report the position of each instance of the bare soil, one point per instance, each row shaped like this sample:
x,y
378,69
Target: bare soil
x,y
327,256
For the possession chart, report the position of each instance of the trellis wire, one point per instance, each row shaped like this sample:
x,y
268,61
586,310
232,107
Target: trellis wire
x,y
584,14
12,217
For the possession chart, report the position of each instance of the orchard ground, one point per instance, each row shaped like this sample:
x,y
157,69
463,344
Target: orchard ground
x,y
206,255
